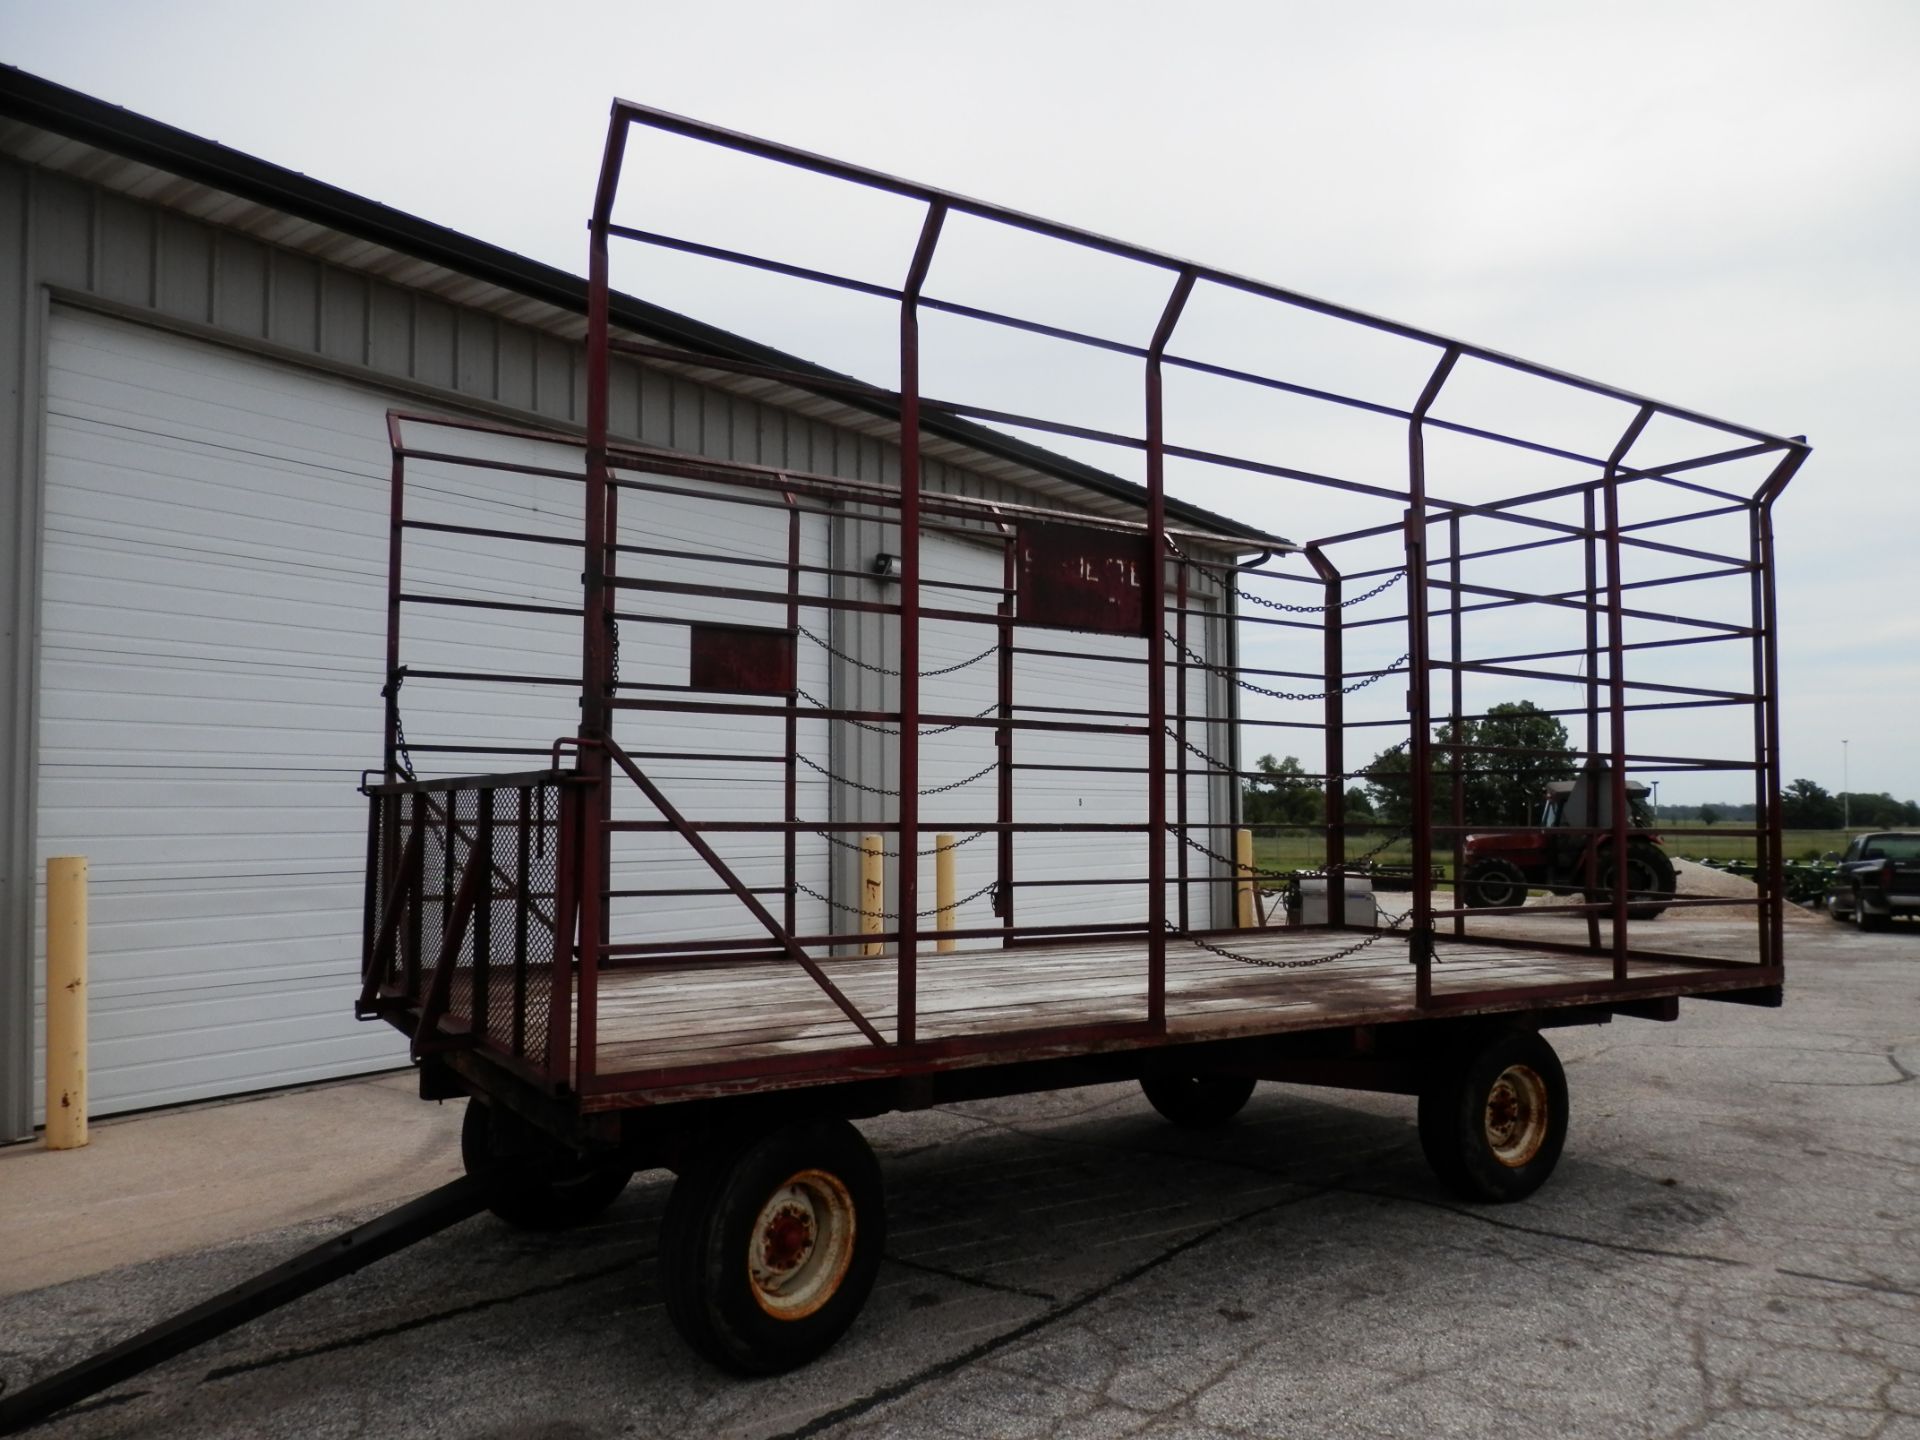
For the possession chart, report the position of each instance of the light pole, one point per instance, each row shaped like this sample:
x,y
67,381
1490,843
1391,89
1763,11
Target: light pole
x,y
1846,787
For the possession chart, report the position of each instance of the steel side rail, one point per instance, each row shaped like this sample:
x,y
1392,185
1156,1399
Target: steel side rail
x,y
324,1263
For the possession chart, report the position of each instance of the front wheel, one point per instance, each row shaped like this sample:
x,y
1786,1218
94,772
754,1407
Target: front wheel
x,y
1493,1117
534,1182
771,1243
1493,884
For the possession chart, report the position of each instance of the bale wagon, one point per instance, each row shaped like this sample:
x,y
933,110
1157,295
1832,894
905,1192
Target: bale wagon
x,y
510,932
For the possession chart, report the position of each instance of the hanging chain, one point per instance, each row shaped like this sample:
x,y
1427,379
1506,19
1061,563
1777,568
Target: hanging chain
x,y
1254,872
984,770
1309,963
391,690
880,669
989,888
1365,680
613,656
925,730
1383,586
832,839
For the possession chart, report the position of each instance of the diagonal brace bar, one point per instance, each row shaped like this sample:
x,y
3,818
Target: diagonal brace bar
x,y
745,896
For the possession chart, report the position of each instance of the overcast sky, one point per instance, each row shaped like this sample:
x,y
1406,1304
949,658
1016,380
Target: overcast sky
x,y
1715,204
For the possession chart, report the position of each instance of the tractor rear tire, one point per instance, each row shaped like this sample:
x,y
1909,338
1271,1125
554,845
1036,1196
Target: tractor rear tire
x,y
1492,884
1651,880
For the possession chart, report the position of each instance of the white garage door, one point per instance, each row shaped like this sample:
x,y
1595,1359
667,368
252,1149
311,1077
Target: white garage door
x,y
212,642
1062,878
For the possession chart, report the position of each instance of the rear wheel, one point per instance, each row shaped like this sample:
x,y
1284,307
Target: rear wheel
x,y
1493,1116
533,1181
1198,1102
771,1243
1491,884
1865,918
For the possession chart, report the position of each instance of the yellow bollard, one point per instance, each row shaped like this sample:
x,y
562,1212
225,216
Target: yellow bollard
x,y
873,890
1243,887
66,1002
943,889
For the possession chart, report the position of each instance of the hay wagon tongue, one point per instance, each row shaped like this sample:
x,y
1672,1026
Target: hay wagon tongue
x,y
685,938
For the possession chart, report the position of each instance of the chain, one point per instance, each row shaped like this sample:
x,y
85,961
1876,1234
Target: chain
x,y
1384,585
833,839
1307,964
880,669
987,889
613,656
392,690
1365,680
1254,872
925,730
986,769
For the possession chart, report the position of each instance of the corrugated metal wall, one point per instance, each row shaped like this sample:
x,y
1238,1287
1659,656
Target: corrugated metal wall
x,y
60,235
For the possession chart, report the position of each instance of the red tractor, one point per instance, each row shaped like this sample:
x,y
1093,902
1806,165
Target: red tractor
x,y
1500,869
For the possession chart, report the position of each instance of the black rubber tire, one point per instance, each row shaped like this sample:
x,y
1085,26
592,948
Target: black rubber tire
x,y
706,1238
1866,919
1834,912
1198,1102
1649,873
1490,884
1454,1116
535,1182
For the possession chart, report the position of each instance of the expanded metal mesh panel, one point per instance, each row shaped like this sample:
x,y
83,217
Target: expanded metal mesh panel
x,y
496,844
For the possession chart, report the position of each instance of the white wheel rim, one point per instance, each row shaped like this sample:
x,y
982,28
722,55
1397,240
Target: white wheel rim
x,y
1517,1115
801,1245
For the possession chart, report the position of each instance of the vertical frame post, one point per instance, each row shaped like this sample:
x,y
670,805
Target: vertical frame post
x,y
790,777
1334,719
1003,742
1180,749
1156,617
1772,923
1456,757
396,556
1617,683
908,890
1419,703
1589,776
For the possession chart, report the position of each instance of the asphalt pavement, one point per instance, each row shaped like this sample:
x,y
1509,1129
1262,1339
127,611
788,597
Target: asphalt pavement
x,y
1731,1247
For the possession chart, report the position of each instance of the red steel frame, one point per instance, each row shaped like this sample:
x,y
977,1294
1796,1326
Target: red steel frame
x,y
1193,556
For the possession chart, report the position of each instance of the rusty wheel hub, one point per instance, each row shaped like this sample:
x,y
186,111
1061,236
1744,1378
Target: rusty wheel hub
x,y
1517,1115
801,1245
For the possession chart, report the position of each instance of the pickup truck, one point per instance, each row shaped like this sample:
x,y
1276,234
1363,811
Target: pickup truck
x,y
1877,879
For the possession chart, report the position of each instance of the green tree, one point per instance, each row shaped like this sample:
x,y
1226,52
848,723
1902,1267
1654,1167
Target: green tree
x,y
1282,795
1358,806
1709,815
1806,806
1506,762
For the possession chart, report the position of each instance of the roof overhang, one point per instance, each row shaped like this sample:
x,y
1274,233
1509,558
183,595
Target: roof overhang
x,y
65,131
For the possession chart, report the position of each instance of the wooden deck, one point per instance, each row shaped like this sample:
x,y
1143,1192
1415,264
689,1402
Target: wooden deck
x,y
650,1020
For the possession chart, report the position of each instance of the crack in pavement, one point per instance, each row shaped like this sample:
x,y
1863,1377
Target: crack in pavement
x,y
898,1389
417,1322
1045,1297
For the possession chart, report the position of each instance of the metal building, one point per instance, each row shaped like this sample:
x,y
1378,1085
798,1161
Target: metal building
x,y
198,353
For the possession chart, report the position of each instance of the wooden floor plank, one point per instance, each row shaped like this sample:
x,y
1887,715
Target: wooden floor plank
x,y
658,1018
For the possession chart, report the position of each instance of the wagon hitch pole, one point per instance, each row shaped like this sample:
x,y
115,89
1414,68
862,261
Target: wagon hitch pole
x,y
358,1248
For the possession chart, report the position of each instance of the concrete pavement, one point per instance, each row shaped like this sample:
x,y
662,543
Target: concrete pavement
x,y
1730,1249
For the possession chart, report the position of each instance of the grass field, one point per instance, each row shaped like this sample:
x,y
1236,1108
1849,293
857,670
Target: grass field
x,y
1306,849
